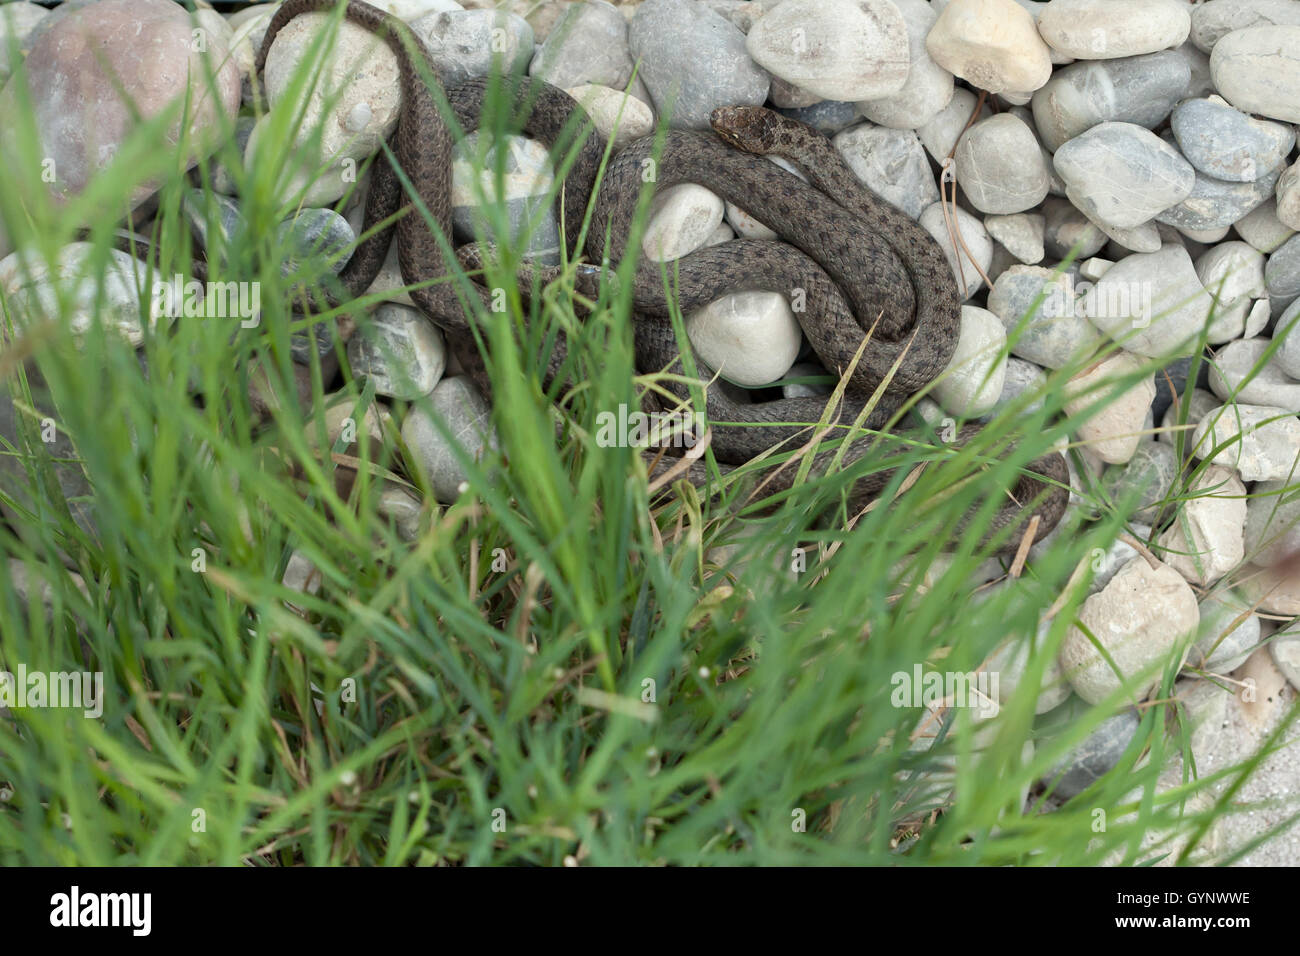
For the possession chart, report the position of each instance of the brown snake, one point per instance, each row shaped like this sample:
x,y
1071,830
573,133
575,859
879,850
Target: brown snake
x,y
849,252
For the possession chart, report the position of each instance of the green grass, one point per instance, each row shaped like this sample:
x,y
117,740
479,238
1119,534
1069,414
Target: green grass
x,y
646,683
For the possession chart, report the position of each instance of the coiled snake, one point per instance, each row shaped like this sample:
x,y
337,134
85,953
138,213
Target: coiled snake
x,y
851,254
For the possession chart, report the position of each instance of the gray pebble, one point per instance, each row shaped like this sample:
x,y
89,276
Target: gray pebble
x,y
1123,174
1282,272
466,44
1225,143
466,415
892,163
399,351
1216,203
1000,167
1145,479
1095,756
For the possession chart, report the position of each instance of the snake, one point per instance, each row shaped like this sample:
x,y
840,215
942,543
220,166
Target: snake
x,y
865,268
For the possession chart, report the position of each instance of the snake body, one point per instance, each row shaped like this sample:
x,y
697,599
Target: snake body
x,y
860,263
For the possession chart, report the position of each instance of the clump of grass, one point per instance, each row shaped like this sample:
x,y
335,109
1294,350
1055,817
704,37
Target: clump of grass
x,y
563,666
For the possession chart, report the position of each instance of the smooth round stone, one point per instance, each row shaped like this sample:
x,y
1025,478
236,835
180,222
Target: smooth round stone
x,y
1106,29
1287,204
928,87
1287,356
1152,304
1139,90
1282,271
1238,361
314,234
1021,378
1094,757
1226,143
827,116
1068,232
1220,647
1114,432
1214,20
1056,333
939,136
465,44
837,49
1285,649
1272,517
1145,479
892,163
96,73
1142,618
1198,63
353,105
1205,542
1256,70
1000,167
682,218
745,225
973,235
1214,204
400,351
1123,174
972,383
1261,441
806,389
693,61
247,30
528,179
993,44
1106,562
1233,273
1021,234
465,414
588,44
1271,591
617,115
785,95
33,290
1262,228
750,338
403,509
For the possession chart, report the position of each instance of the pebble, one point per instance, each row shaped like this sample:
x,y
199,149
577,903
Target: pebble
x,y
588,44
1260,441
1115,430
1021,234
1287,203
1021,378
1145,480
67,291
1106,562
837,49
1140,90
465,44
1233,273
682,218
1094,756
1287,356
1205,541
528,179
892,163
1106,29
1141,618
1152,304
1220,647
1069,233
314,235
1256,70
1000,167
827,116
1012,658
1285,648
461,408
1214,204
1237,375
972,383
1225,143
939,136
928,88
1282,271
403,508
1270,591
76,78
616,114
1271,521
340,413
994,44
973,235
400,351
1122,174
1056,333
693,61
805,389
1199,404
1214,20
751,338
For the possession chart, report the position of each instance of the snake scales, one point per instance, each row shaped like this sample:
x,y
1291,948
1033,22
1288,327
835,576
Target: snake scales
x,y
851,254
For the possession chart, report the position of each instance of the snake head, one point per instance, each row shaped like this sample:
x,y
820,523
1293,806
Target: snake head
x,y
751,128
